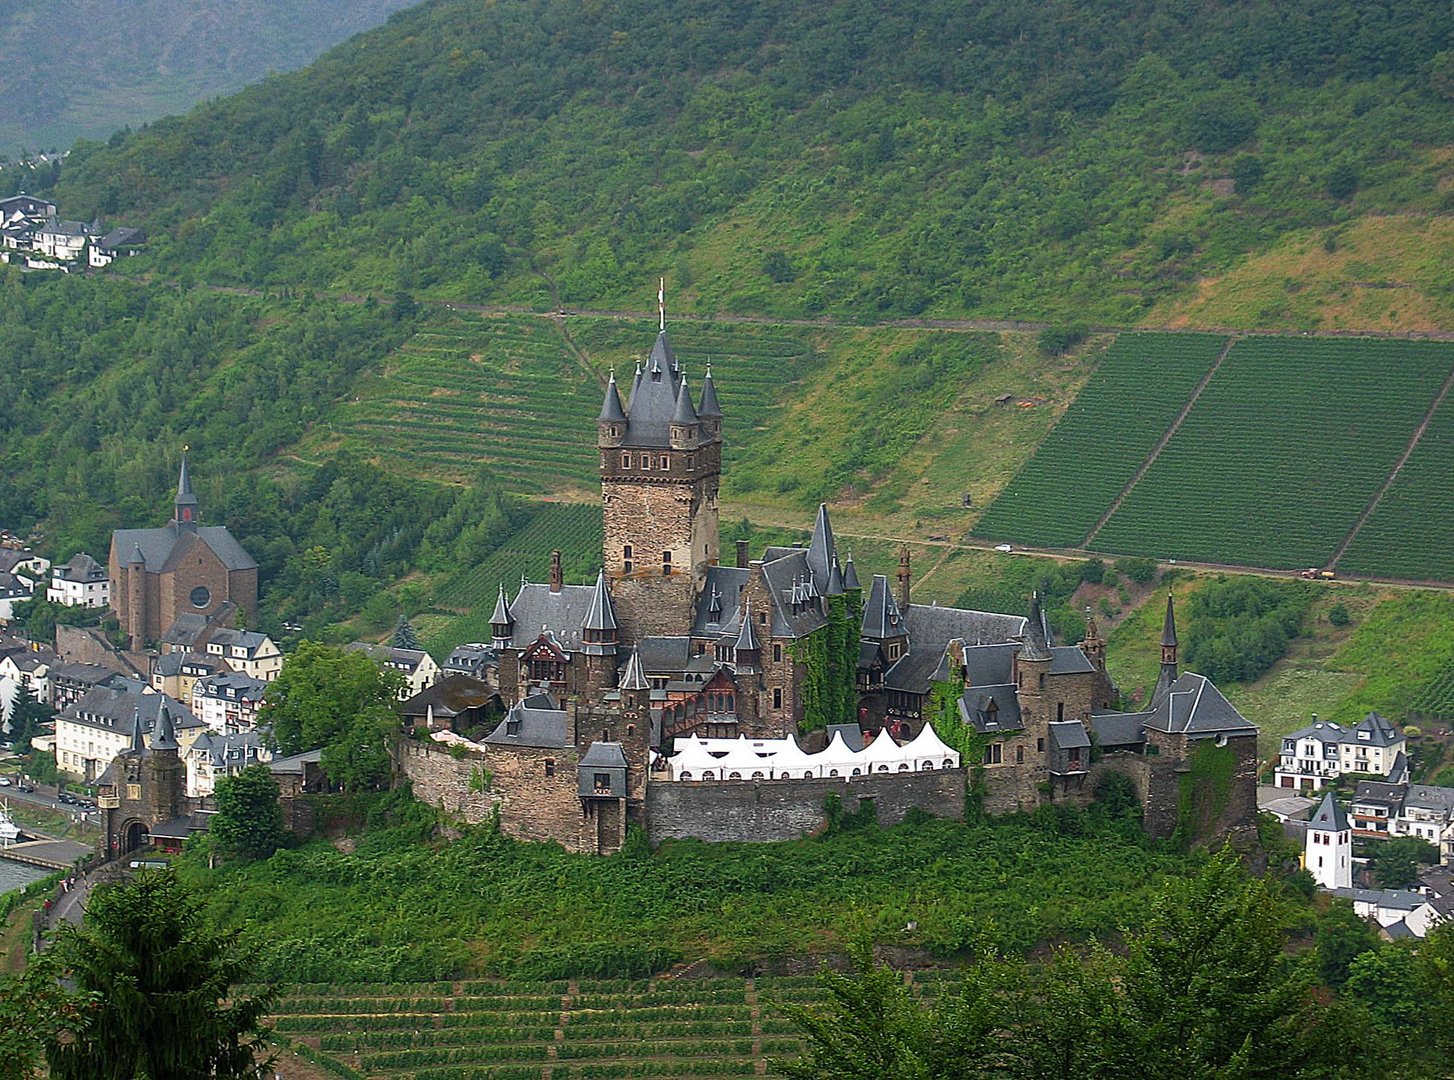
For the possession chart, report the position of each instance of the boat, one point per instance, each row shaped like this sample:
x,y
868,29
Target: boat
x,y
9,831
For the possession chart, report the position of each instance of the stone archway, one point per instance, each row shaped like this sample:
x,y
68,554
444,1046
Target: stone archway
x,y
134,836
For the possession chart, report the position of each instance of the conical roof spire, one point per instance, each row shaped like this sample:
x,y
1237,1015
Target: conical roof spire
x,y
186,501
502,616
850,575
1330,816
1168,628
635,677
835,580
822,551
1035,647
164,735
138,743
685,412
747,636
600,616
709,409
611,410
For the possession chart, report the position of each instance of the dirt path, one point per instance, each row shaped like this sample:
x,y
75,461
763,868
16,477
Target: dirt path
x,y
1161,444
1393,475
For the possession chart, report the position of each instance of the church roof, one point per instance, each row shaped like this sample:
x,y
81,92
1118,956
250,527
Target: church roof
x,y
161,549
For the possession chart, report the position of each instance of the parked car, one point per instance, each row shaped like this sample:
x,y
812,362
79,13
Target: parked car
x,y
25,787
1003,547
67,798
4,781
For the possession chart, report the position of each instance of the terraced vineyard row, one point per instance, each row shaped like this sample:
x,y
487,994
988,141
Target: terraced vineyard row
x,y
1142,383
574,528
1282,452
469,391
586,1029
1411,533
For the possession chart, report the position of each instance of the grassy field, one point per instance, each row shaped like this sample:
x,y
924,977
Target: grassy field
x,y
587,1029
1281,453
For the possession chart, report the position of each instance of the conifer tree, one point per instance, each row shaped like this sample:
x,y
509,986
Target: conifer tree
x,y
404,636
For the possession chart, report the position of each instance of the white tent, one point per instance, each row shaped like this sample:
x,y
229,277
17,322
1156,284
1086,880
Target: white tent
x,y
928,751
883,755
693,762
838,760
790,763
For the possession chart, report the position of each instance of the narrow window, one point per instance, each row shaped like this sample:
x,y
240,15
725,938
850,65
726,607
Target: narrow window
x,y
1042,680
602,783
549,766
665,462
666,564
1040,746
626,461
691,461
777,697
1060,710
626,559
777,652
605,735
630,731
1019,755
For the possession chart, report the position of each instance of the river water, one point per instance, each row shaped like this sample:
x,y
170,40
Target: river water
x,y
14,875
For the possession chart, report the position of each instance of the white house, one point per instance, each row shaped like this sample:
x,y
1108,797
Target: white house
x,y
82,582
213,756
90,733
25,210
248,652
113,245
1323,751
1384,810
1328,847
63,240
420,670
22,562
228,702
13,589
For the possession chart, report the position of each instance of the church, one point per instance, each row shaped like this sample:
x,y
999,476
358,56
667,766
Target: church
x,y
601,681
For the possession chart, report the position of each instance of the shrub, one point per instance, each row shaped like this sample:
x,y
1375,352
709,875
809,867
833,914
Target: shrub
x,y
1338,615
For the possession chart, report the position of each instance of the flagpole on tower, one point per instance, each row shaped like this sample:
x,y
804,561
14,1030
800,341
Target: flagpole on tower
x,y
661,302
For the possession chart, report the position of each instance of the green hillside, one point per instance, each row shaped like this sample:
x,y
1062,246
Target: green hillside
x,y
861,159
85,68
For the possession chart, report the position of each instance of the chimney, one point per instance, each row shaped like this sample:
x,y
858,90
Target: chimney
x,y
556,578
742,554
904,579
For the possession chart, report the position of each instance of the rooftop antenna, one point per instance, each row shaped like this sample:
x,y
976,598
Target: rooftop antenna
x,y
661,302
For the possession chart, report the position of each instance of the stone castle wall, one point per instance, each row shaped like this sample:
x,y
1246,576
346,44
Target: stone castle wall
x,y
767,810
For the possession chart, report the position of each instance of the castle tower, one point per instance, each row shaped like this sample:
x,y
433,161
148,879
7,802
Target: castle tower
x,y
502,623
136,597
1032,676
184,509
162,770
1094,646
1328,849
1169,667
600,637
661,464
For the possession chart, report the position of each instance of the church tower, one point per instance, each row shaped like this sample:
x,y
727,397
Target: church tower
x,y
1328,847
1169,668
661,463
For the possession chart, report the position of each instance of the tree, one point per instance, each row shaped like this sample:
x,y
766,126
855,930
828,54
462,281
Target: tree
x,y
163,980
320,692
249,819
404,636
1342,937
27,713
358,759
1395,862
1343,181
35,1009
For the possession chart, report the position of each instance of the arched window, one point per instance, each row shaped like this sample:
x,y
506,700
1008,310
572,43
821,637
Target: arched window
x,y
709,775
926,766
757,776
734,776
856,772
834,772
903,766
685,776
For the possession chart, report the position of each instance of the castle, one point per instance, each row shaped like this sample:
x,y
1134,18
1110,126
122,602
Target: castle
x,y
600,681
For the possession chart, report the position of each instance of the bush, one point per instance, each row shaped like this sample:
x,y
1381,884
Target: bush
x,y
1338,615
1343,181
1055,340
1141,571
1219,121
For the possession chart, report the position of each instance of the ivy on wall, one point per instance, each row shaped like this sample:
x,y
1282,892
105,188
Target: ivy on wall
x,y
828,659
1203,791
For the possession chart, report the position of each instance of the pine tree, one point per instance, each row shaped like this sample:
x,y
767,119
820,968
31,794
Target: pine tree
x,y
160,976
404,636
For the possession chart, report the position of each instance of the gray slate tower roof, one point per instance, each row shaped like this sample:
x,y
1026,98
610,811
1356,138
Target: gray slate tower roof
x,y
1036,646
654,399
502,616
185,495
747,637
611,410
1168,627
635,677
685,412
1330,816
822,551
138,743
600,615
850,575
709,408
165,735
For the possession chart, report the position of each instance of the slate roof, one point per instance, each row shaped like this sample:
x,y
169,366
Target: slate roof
x,y
221,751
709,407
604,755
600,616
1323,731
1068,735
974,708
822,551
56,227
470,658
1114,729
915,670
934,625
1069,660
543,729
86,674
881,615
242,687
172,663
537,609
1382,794
1329,817
1425,797
664,655
179,828
611,409
1375,730
113,708
988,665
163,548
654,398
408,659
228,638
1193,706
1390,899
121,237
450,696
787,577
80,568
725,583
295,764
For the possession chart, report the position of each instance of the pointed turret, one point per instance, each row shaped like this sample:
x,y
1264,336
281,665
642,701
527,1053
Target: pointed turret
x,y
709,408
611,424
850,576
502,623
686,412
138,742
835,581
635,677
600,617
137,558
186,503
164,735
1035,647
747,636
1170,670
822,551
662,358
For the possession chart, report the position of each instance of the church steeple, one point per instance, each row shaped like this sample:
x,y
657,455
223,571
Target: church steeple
x,y
185,507
1169,668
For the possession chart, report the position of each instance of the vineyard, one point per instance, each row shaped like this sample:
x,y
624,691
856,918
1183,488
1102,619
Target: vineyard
x,y
464,602
1411,533
1100,442
1283,451
587,1029
468,391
